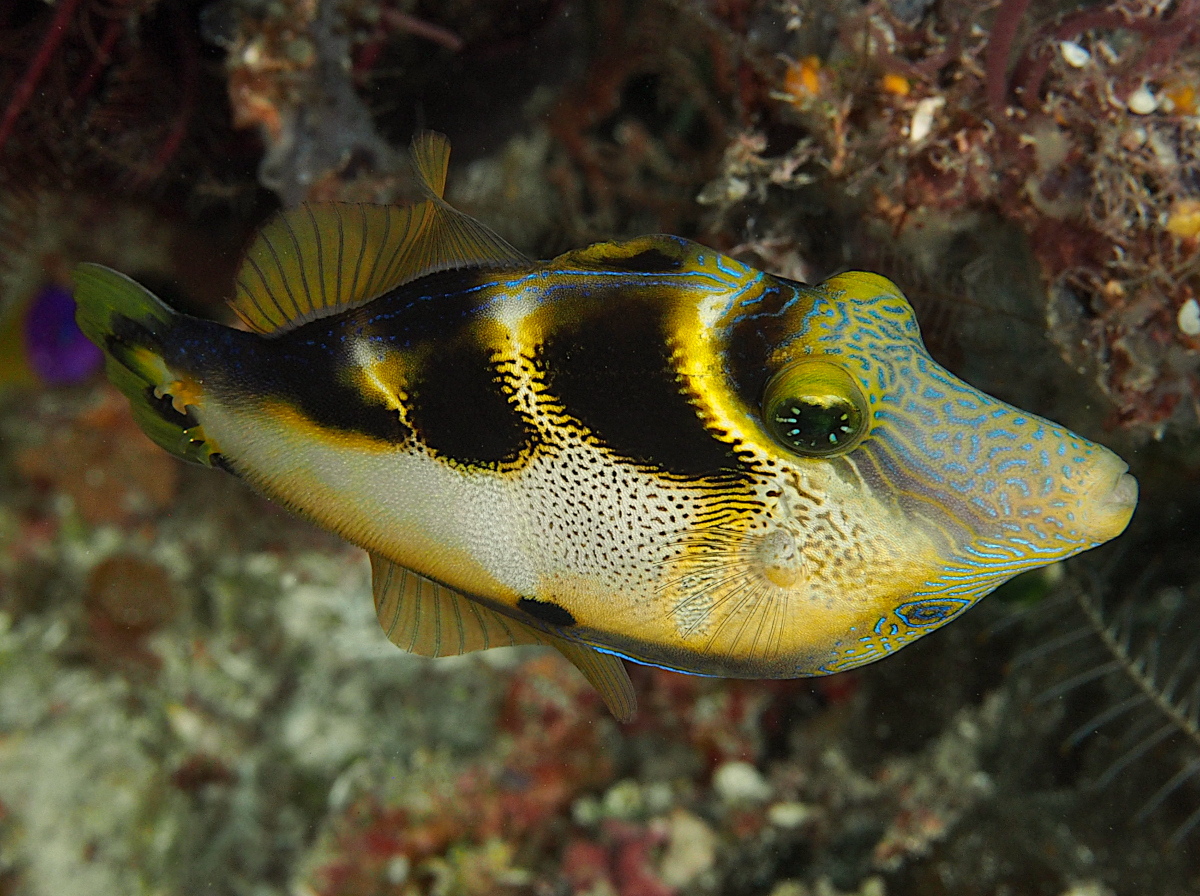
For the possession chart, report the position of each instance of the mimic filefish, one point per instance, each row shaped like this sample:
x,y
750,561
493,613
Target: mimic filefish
x,y
642,449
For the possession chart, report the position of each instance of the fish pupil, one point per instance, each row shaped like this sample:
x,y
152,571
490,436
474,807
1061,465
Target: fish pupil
x,y
817,423
813,407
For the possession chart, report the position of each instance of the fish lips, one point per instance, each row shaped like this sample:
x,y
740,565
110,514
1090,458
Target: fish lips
x,y
1114,499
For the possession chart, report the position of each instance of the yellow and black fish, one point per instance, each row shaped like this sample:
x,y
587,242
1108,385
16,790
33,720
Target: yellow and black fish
x,y
640,449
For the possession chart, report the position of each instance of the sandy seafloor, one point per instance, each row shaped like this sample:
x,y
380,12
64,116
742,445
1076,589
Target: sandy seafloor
x,y
195,696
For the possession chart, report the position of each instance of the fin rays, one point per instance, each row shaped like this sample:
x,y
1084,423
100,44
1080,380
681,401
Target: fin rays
x,y
423,617
605,673
724,599
307,254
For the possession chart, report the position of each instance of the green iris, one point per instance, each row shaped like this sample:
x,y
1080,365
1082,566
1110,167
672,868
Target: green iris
x,y
814,408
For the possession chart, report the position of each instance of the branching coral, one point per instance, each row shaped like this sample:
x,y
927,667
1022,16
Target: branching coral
x,y
1143,652
24,90
90,91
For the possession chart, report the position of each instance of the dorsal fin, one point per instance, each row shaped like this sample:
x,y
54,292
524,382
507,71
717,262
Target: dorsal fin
x,y
324,257
430,155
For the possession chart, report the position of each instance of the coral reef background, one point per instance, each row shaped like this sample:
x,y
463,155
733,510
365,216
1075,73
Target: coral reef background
x,y
194,693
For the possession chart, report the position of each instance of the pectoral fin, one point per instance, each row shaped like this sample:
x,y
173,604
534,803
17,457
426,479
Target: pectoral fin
x,y
421,616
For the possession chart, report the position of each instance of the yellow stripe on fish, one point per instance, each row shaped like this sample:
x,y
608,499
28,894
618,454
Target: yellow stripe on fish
x,y
640,449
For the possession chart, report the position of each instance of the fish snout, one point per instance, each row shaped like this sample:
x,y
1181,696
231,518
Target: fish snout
x,y
1111,500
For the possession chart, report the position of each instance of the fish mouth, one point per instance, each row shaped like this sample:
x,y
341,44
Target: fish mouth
x,y
1113,500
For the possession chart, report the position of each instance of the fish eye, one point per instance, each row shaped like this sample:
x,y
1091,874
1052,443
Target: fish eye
x,y
815,409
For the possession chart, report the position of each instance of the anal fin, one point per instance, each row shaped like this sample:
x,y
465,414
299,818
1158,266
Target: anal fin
x,y
420,616
605,672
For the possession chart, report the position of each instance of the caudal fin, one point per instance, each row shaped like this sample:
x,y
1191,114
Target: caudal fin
x,y
131,325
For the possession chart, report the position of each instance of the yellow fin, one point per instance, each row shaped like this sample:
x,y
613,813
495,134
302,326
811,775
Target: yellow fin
x,y
420,616
605,672
430,154
322,258
451,239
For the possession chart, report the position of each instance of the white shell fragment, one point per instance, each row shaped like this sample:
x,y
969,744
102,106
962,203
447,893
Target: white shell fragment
x,y
1142,101
789,815
922,120
1073,54
1189,318
741,782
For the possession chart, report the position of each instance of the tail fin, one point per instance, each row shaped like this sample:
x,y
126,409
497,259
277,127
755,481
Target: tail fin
x,y
130,325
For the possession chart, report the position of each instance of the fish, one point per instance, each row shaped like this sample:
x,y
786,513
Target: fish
x,y
41,346
40,343
640,450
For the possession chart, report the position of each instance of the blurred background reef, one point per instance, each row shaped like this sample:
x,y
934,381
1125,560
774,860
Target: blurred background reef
x,y
194,694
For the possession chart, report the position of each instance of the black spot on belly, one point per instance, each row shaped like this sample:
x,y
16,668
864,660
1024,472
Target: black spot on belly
x,y
611,371
459,408
546,611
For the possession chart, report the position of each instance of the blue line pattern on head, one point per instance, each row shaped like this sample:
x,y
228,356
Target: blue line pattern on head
x,y
967,462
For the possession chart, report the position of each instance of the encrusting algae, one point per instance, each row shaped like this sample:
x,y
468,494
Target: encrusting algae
x,y
642,450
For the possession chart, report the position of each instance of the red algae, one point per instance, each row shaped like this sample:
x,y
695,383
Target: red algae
x,y
131,596
1085,143
548,754
127,599
104,463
